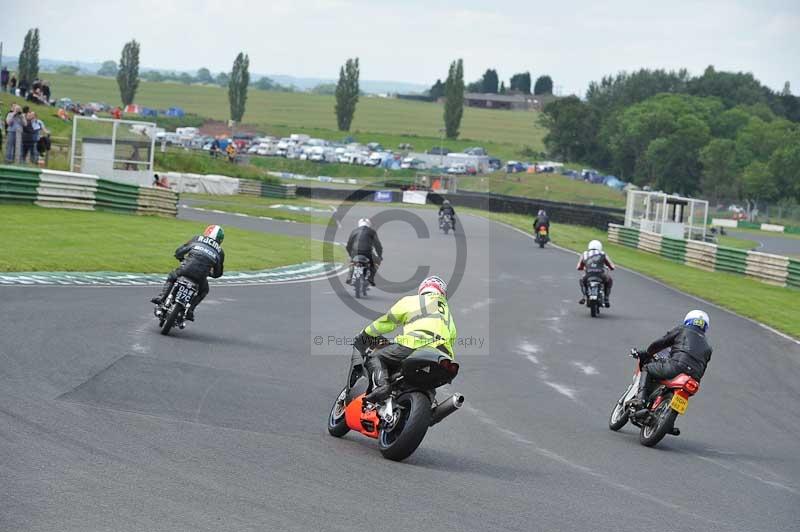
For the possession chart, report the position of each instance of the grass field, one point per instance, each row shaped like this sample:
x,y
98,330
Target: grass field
x,y
63,240
740,294
389,121
553,187
255,206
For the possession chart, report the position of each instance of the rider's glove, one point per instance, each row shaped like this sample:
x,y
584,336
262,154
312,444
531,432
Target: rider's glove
x,y
636,353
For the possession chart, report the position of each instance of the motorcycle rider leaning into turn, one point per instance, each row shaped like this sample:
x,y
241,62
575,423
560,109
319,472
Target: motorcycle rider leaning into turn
x,y
426,322
446,208
361,242
200,257
593,263
689,353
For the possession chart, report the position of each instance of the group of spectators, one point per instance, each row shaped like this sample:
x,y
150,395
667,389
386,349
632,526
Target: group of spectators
x,y
37,92
216,150
24,131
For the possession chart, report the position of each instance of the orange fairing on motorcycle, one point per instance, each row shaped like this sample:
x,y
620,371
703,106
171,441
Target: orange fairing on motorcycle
x,y
364,422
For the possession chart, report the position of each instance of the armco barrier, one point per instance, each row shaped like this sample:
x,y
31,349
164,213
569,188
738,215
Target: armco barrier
x,y
569,213
278,191
250,187
773,269
67,190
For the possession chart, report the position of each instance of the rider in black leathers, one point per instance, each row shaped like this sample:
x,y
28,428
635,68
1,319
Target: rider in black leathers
x,y
689,353
362,241
200,257
446,208
541,220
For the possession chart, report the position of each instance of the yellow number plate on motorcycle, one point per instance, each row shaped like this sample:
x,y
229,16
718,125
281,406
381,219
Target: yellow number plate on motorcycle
x,y
679,404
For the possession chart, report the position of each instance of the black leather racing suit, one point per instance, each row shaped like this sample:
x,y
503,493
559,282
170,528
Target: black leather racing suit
x,y
594,264
689,353
448,209
541,221
361,242
200,257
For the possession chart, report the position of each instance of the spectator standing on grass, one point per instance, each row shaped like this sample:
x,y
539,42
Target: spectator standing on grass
x,y
28,137
12,83
231,151
15,120
4,76
46,91
39,131
43,144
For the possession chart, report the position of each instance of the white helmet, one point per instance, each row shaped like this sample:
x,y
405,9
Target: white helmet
x,y
433,285
596,245
365,222
699,319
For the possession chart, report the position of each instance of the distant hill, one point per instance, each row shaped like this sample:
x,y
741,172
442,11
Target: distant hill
x,y
368,86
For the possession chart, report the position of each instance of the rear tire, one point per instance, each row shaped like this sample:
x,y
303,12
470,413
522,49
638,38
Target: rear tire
x,y
337,425
541,245
413,424
171,318
618,417
593,308
652,434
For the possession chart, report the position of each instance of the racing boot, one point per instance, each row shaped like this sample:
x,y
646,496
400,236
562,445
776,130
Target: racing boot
x,y
163,294
189,316
638,402
582,301
350,275
606,302
380,386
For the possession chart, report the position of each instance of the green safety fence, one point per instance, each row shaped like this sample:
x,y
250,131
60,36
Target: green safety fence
x,y
629,236
673,249
19,184
116,197
793,279
748,225
791,229
731,260
278,190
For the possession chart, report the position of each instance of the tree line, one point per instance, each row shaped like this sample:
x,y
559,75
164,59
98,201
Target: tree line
x,y
490,83
720,134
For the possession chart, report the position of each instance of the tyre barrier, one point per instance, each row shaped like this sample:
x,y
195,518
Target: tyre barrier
x,y
765,267
68,190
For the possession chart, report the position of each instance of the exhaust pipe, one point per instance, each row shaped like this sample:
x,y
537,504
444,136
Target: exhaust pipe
x,y
446,407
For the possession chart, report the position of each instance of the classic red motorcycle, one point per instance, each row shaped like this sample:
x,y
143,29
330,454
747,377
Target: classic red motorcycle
x,y
657,418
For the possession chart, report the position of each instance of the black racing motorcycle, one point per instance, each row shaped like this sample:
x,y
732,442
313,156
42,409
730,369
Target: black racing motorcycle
x,y
595,294
446,223
400,422
360,265
172,312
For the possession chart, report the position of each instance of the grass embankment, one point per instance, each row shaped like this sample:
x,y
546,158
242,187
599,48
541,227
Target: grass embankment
x,y
552,187
63,240
256,206
740,294
506,134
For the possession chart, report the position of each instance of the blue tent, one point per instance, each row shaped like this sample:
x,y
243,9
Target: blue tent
x,y
175,111
146,111
614,182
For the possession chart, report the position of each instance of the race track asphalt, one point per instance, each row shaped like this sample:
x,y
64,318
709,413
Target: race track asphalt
x,y
770,243
107,425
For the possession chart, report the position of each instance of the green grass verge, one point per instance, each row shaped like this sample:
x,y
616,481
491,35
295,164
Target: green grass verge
x,y
64,240
551,187
197,162
738,243
740,294
257,206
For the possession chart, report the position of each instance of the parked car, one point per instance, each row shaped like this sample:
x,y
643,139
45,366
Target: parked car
x,y
412,163
513,167
495,163
457,169
477,150
436,150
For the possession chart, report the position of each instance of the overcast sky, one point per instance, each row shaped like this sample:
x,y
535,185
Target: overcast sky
x,y
414,40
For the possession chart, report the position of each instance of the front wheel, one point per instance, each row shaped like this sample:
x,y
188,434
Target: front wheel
x,y
337,425
172,317
654,432
619,416
594,308
413,419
